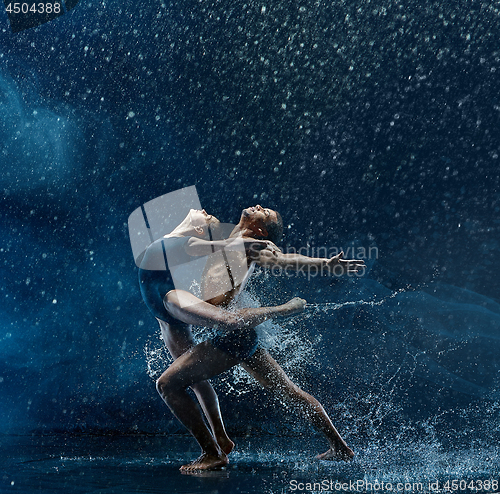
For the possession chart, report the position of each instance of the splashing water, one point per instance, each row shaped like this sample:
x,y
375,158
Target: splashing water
x,y
407,349
332,306
157,358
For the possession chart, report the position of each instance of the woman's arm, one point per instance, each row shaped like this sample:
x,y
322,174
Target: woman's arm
x,y
199,247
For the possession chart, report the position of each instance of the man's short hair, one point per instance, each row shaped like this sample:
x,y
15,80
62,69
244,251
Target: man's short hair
x,y
275,229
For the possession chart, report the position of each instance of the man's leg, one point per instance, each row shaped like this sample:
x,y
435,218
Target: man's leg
x,y
198,364
269,373
178,339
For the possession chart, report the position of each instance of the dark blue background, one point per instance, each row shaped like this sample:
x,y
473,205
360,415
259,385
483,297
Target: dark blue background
x,y
374,122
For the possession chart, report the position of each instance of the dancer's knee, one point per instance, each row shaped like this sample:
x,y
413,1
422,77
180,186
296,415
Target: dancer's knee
x,y
166,386
160,386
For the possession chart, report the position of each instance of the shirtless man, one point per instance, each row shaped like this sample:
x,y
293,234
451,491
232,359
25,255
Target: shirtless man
x,y
236,341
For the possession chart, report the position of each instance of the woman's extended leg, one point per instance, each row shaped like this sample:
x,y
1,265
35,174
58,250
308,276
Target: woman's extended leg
x,y
178,339
191,310
269,373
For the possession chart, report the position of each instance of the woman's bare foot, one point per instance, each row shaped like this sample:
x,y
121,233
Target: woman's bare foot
x,y
343,453
225,444
206,462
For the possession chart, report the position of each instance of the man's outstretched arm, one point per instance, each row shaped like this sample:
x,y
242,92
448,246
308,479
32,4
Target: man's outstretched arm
x,y
336,265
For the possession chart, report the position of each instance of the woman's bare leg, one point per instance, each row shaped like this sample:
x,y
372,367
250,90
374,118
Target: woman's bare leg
x,y
210,404
269,373
198,364
191,310
179,339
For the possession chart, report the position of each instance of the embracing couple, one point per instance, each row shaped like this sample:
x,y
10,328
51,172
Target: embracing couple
x,y
189,277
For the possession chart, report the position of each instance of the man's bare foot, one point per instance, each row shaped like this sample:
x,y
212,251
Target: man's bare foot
x,y
206,462
344,453
294,306
222,473
225,444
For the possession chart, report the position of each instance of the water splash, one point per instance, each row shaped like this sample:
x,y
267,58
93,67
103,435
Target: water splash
x,y
157,358
332,306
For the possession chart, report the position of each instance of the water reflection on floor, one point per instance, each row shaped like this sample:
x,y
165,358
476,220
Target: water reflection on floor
x,y
103,464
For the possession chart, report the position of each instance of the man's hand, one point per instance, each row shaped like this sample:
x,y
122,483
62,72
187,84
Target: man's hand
x,y
263,251
338,266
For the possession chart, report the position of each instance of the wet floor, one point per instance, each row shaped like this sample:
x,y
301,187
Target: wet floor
x,y
108,465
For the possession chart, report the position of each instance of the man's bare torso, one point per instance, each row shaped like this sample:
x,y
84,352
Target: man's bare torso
x,y
224,274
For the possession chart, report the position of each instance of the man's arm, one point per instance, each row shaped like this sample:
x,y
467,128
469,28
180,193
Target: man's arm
x,y
336,265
